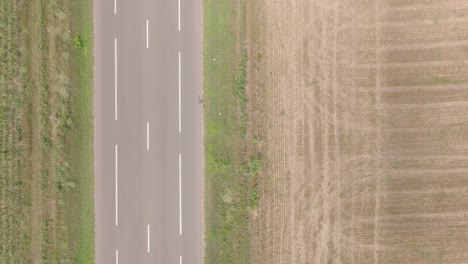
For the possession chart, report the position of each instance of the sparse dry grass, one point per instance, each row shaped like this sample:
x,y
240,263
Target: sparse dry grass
x,y
46,175
12,232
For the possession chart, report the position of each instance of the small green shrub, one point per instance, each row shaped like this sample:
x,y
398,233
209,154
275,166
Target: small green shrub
x,y
78,42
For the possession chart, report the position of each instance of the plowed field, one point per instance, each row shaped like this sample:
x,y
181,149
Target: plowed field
x,y
362,106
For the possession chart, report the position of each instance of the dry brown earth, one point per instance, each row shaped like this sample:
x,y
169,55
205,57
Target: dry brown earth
x,y
363,106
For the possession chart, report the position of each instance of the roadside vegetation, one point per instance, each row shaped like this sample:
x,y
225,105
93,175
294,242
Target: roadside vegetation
x,y
231,193
46,130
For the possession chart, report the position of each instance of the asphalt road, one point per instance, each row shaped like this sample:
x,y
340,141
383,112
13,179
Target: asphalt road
x,y
148,131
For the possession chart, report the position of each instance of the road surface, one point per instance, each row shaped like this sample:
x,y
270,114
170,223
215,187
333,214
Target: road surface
x,y
148,131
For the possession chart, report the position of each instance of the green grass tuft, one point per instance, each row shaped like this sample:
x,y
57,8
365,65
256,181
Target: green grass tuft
x,y
78,42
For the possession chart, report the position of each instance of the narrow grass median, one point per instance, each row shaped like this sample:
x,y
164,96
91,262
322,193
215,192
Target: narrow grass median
x,y
46,175
231,170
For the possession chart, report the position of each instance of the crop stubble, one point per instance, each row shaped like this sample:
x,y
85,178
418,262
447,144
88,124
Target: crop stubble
x,y
365,130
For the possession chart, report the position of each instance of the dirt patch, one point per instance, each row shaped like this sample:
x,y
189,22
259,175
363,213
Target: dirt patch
x,y
359,109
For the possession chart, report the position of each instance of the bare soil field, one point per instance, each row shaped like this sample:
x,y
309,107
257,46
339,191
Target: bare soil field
x,y
360,108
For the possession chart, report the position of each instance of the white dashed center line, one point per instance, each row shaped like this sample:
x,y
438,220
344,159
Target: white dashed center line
x,y
147,33
116,185
178,13
180,107
147,136
115,78
180,194
148,236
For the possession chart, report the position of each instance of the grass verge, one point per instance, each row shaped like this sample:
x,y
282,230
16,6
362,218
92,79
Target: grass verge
x,y
46,176
230,181
81,141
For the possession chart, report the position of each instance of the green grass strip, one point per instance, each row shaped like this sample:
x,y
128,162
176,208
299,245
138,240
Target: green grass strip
x,y
81,152
230,173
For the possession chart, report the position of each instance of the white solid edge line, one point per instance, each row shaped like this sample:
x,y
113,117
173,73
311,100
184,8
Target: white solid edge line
x,y
178,13
115,6
148,235
180,259
115,78
180,115
116,185
116,256
147,33
147,136
180,194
